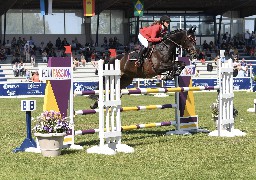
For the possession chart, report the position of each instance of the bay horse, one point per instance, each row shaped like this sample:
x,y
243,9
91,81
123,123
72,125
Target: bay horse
x,y
159,59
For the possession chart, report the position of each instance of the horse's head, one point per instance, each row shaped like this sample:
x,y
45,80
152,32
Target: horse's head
x,y
184,39
190,41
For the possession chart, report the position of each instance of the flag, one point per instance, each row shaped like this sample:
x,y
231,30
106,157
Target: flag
x,y
138,7
42,7
89,7
68,49
46,7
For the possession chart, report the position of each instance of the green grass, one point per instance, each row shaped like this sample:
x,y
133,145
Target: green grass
x,y
156,156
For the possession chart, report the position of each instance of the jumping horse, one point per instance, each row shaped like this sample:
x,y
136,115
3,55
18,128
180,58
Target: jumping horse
x,y
159,59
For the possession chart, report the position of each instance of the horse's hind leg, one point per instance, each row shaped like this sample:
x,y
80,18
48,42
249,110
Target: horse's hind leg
x,y
125,81
95,104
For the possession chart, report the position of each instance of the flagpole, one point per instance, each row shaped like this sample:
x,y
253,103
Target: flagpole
x,y
71,100
180,47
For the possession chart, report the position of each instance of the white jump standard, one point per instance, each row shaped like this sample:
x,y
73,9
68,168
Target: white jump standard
x,y
111,134
226,95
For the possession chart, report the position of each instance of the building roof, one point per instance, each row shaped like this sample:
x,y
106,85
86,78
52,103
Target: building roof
x,y
212,7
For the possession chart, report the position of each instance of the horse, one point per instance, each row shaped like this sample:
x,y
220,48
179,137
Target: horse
x,y
159,59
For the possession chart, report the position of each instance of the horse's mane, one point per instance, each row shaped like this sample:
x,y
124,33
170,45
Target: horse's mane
x,y
176,31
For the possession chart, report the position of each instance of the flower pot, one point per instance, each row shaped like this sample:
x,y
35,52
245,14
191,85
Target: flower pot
x,y
50,144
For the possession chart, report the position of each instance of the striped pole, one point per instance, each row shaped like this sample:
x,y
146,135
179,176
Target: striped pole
x,y
135,108
153,90
128,128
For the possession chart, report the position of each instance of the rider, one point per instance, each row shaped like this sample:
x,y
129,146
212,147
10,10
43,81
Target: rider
x,y
153,34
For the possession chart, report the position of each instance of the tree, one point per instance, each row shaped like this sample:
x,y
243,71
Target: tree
x,y
33,23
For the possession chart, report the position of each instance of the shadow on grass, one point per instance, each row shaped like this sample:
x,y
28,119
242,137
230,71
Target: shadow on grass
x,y
70,151
89,143
137,134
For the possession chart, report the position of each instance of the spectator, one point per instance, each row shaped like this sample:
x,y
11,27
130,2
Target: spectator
x,y
64,43
35,77
216,60
26,52
225,37
58,43
27,73
73,45
33,57
24,41
252,38
49,45
31,42
231,52
59,53
244,66
211,46
197,74
20,43
205,45
247,37
201,57
44,56
41,47
21,68
252,51
83,61
75,63
236,52
14,42
87,53
15,69
236,66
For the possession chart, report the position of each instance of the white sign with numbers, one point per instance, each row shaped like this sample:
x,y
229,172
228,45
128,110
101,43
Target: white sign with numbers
x,y
28,105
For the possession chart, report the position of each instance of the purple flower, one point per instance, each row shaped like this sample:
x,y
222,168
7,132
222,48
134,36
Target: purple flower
x,y
51,122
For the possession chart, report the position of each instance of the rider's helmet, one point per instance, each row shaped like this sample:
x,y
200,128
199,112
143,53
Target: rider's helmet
x,y
165,18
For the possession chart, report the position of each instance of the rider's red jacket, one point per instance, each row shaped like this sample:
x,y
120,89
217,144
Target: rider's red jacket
x,y
153,33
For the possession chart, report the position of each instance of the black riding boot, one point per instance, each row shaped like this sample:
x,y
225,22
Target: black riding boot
x,y
141,55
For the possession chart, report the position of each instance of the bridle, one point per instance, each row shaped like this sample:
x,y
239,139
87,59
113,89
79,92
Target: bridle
x,y
188,38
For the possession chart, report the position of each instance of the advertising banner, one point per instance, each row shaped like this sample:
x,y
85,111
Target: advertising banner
x,y
38,89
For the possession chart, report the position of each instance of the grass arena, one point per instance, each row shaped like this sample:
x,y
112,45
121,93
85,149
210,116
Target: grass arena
x,y
156,156
195,156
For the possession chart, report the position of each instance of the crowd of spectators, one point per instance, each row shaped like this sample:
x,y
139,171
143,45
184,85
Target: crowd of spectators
x,y
238,48
23,50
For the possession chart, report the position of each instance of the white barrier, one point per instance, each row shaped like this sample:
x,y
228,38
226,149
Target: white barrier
x,y
225,99
109,120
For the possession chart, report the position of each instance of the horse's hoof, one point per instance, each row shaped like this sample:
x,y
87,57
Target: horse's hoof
x,y
94,106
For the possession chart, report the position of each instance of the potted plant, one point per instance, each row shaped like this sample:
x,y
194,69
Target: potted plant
x,y
50,129
215,112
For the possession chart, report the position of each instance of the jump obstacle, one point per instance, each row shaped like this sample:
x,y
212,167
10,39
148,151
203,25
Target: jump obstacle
x,y
225,120
185,119
225,98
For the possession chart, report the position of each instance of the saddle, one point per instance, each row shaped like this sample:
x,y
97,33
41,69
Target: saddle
x,y
134,55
